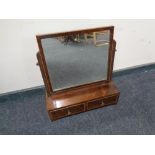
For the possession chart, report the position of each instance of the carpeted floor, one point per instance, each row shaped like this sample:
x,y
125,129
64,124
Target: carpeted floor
x,y
24,113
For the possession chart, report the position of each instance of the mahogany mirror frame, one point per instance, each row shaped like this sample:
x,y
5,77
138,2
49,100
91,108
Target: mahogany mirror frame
x,y
43,65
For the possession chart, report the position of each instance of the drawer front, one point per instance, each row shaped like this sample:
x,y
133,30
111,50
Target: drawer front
x,y
67,111
110,100
95,104
101,102
59,113
76,109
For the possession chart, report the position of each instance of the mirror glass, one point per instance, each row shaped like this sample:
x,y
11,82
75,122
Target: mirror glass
x,y
77,59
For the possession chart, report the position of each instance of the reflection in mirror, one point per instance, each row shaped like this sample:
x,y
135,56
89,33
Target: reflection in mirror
x,y
77,59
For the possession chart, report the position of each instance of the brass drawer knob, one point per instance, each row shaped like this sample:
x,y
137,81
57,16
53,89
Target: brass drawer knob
x,y
69,112
102,103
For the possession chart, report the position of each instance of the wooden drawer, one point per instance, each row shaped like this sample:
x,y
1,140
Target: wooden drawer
x,y
101,102
95,104
59,113
76,109
110,100
67,111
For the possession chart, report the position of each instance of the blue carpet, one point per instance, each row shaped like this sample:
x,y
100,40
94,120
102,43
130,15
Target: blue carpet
x,y
25,113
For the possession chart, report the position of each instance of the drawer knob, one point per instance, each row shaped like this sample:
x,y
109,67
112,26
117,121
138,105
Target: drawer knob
x,y
69,112
102,103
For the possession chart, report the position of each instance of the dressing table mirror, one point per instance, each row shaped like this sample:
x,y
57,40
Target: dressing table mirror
x,y
77,67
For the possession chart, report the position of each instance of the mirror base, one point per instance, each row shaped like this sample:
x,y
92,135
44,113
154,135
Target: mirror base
x,y
81,99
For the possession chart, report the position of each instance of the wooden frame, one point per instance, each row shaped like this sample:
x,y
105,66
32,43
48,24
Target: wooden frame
x,y
45,75
80,98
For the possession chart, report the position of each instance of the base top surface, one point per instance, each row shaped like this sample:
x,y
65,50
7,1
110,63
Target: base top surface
x,y
80,95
